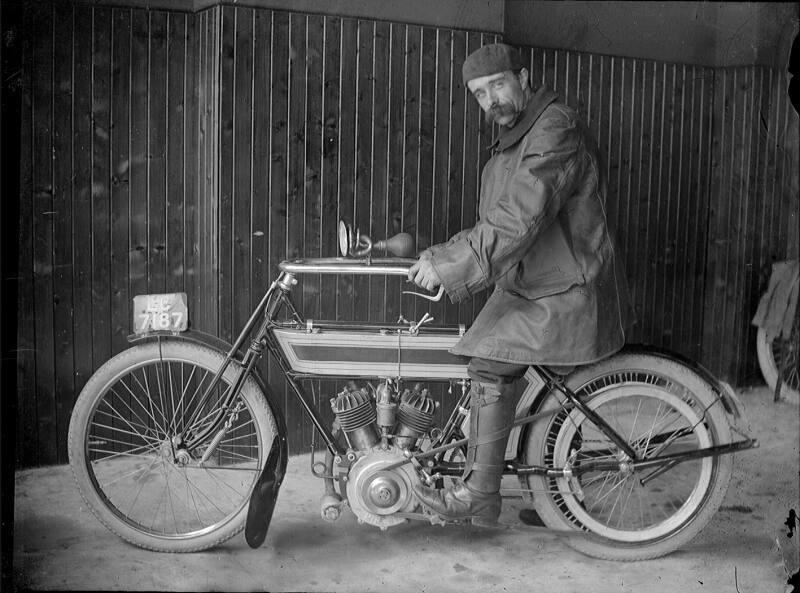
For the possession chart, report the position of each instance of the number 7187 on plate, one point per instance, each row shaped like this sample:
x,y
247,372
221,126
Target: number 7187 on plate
x,y
160,312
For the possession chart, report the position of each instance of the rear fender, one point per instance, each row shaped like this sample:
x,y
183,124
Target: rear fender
x,y
730,401
535,393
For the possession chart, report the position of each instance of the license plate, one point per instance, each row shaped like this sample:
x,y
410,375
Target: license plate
x,y
160,312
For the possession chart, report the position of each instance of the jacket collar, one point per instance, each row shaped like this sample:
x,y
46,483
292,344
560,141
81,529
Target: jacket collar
x,y
507,137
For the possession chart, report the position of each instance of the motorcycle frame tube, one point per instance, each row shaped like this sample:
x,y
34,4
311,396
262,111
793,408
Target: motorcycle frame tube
x,y
557,382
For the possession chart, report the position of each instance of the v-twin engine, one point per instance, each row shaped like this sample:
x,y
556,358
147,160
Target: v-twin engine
x,y
379,427
399,421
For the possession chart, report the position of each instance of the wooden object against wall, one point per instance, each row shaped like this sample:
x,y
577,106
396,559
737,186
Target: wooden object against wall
x,y
165,151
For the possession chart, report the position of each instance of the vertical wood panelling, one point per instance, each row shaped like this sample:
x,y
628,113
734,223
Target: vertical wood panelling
x,y
81,155
177,234
100,194
331,93
27,442
155,156
209,318
110,111
120,195
360,162
348,101
64,393
395,99
167,151
226,239
411,148
379,226
43,208
260,156
312,72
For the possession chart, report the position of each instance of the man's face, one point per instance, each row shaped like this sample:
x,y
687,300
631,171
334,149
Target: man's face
x,y
501,96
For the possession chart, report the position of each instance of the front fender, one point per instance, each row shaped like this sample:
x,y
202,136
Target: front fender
x,y
265,494
191,335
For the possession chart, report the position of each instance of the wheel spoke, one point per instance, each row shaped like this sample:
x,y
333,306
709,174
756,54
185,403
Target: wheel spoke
x,y
123,418
119,430
131,410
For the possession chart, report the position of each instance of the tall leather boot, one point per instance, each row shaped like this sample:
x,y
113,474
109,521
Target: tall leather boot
x,y
476,496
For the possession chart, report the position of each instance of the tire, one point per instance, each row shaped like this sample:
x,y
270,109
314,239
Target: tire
x,y
647,399
777,352
141,481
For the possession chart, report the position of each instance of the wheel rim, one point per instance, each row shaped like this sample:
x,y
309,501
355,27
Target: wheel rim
x,y
654,419
136,458
784,355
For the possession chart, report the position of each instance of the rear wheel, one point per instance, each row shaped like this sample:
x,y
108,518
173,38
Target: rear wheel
x,y
660,408
138,458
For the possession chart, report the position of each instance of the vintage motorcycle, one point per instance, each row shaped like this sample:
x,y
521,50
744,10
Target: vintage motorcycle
x,y
177,444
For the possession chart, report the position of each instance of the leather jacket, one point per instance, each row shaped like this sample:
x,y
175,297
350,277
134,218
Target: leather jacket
x,y
542,240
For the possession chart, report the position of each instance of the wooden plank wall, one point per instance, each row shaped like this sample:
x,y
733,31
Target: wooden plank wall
x,y
109,195
754,219
164,151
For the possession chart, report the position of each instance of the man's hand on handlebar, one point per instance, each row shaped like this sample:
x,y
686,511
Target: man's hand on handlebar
x,y
423,273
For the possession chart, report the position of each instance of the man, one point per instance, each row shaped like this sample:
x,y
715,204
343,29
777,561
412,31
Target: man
x,y
560,296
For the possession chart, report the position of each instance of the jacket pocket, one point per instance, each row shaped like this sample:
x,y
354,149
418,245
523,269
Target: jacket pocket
x,y
548,268
544,284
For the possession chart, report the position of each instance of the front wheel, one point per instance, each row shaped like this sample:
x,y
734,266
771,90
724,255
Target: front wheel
x,y
659,407
155,456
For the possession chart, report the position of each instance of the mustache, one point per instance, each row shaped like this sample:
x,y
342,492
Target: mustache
x,y
498,110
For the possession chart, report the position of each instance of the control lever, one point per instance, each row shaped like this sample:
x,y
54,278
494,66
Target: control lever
x,y
436,297
415,326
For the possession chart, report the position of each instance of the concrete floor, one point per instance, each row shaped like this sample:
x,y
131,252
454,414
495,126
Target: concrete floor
x,y
59,545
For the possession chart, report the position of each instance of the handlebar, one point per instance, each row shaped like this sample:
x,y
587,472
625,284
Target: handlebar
x,y
386,266
391,266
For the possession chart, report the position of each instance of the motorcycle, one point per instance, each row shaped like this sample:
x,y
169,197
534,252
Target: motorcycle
x,y
177,444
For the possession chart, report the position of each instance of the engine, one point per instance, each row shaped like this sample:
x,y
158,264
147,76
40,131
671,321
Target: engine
x,y
379,427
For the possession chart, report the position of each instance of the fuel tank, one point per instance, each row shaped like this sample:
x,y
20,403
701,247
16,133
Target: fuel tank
x,y
327,349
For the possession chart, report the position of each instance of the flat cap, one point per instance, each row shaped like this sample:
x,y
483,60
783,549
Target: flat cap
x,y
491,59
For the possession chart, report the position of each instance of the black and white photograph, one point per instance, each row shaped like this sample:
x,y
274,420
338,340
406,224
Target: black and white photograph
x,y
424,296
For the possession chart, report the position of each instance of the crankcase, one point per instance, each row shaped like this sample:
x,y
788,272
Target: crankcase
x,y
375,493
